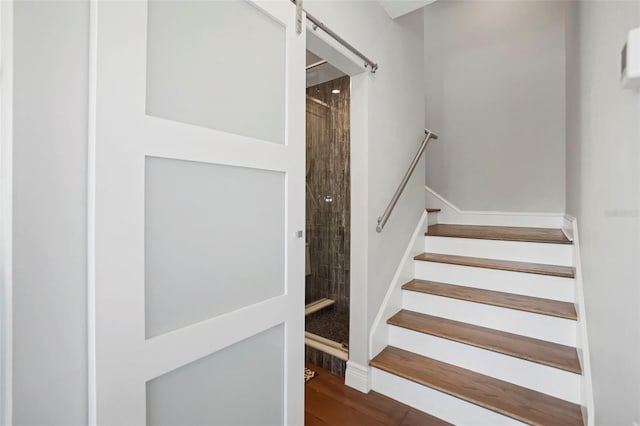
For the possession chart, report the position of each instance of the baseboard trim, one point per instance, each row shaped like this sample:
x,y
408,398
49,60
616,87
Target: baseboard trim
x,y
567,227
452,214
358,377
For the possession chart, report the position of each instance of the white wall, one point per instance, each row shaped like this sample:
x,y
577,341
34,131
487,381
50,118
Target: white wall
x,y
395,130
603,193
494,75
49,213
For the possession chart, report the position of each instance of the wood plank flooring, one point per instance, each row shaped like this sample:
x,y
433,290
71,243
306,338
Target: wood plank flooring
x,y
328,401
536,305
505,265
507,233
535,350
515,401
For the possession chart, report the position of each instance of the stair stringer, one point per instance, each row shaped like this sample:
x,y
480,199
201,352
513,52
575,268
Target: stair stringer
x,y
586,388
392,302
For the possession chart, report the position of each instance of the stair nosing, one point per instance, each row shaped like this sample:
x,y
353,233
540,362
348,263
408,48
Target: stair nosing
x,y
472,399
494,348
498,264
573,317
427,234
523,239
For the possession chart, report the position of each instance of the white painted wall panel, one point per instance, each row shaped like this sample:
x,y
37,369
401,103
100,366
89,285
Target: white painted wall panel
x,y
494,76
603,183
51,43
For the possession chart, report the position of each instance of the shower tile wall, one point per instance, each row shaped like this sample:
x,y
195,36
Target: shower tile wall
x,y
326,361
328,192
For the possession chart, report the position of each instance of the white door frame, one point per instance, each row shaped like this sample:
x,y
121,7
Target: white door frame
x,y
6,211
327,48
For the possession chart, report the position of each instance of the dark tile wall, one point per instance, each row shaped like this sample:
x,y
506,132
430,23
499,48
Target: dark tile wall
x,y
328,192
328,209
326,361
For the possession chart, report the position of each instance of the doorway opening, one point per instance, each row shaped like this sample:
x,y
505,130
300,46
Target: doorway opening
x,y
328,215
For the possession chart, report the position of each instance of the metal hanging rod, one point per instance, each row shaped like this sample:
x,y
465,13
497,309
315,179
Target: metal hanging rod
x,y
368,63
382,220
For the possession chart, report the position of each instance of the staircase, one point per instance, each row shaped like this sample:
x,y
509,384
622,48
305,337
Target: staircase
x,y
487,330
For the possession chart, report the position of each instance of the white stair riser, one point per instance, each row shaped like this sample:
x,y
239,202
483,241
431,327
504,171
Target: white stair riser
x,y
544,327
552,381
552,254
545,286
436,403
432,218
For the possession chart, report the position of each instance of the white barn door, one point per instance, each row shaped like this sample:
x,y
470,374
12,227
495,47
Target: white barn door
x,y
196,198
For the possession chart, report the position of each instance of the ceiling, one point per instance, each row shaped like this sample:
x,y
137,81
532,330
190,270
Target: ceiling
x,y
397,8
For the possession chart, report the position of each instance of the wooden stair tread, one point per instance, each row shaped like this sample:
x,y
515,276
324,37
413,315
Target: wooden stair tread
x,y
535,350
496,298
506,233
504,265
506,398
418,418
433,210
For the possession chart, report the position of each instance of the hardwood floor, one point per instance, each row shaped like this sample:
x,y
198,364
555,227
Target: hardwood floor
x,y
328,401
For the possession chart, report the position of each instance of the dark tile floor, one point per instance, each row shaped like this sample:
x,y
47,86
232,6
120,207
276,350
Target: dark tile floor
x,y
330,324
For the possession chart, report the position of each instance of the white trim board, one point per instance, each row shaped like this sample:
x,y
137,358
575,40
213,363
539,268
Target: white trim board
x,y
328,49
322,45
359,244
451,214
582,336
91,211
358,377
567,227
6,213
